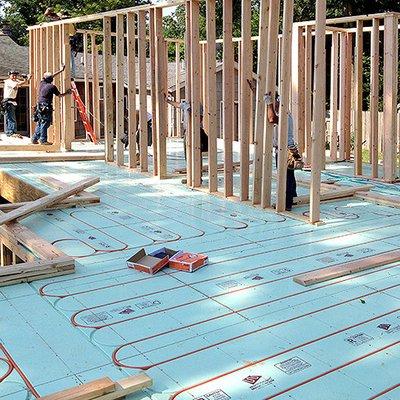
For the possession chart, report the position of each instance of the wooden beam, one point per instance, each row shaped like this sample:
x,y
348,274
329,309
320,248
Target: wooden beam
x,y
86,75
358,81
260,104
143,134
308,93
318,140
95,88
212,98
228,96
57,81
343,96
178,115
47,201
268,128
120,89
246,100
348,89
108,91
374,98
128,385
334,97
390,91
285,83
337,271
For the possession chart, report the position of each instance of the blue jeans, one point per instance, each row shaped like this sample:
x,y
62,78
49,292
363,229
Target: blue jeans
x,y
42,127
11,120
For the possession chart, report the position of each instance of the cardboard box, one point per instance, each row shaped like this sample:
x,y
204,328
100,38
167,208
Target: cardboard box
x,y
188,262
149,263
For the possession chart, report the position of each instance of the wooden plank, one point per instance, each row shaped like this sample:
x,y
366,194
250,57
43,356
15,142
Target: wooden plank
x,y
48,200
268,129
95,87
57,82
129,385
377,198
86,74
343,96
358,81
285,83
390,91
195,96
108,91
318,139
335,194
152,44
334,97
308,94
348,89
212,97
337,271
120,90
87,391
374,98
301,89
260,104
142,45
178,115
32,88
246,97
161,93
49,67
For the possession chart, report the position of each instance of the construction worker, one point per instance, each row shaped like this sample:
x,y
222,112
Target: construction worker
x,y
273,118
9,102
44,109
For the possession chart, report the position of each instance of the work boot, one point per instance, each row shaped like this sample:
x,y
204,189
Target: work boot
x,y
34,141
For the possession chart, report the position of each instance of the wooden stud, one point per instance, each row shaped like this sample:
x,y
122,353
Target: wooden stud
x,y
343,96
285,83
318,139
390,91
131,60
246,99
308,96
358,81
86,75
120,89
348,88
212,98
260,104
154,122
334,97
32,72
271,72
142,45
108,91
95,87
178,115
374,111
161,93
196,92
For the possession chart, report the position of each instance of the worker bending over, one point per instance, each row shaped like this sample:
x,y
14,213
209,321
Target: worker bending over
x,y
43,114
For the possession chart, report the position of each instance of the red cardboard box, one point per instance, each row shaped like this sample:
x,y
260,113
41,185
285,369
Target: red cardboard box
x,y
148,263
188,262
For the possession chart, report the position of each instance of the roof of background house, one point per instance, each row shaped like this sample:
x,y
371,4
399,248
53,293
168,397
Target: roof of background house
x,y
12,56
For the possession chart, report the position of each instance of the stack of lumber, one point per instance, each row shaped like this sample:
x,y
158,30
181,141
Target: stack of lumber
x,y
38,258
103,389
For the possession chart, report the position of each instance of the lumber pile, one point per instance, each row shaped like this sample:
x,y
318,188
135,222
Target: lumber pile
x,y
24,255
104,389
337,271
383,199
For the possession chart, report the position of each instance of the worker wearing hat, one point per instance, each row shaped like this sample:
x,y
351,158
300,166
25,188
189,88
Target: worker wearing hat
x,y
44,109
9,102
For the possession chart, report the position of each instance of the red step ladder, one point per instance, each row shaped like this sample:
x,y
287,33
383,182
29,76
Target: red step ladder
x,y
83,113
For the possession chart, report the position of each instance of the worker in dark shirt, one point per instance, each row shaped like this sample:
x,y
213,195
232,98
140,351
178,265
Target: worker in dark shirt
x,y
44,109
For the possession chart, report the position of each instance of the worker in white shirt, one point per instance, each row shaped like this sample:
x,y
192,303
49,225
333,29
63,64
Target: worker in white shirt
x,y
9,102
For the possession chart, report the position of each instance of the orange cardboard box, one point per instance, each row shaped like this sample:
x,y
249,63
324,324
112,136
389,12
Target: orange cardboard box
x,y
148,263
188,262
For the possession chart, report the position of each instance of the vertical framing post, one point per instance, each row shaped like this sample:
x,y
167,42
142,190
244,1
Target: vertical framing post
x,y
390,90
32,70
161,92
260,104
86,73
212,98
334,96
108,91
178,88
308,91
343,95
348,89
142,44
95,88
49,67
374,112
120,89
285,83
358,80
57,81
68,129
131,60
195,104
154,122
318,140
246,95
